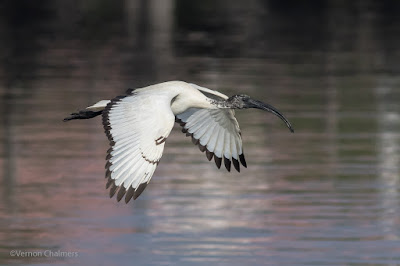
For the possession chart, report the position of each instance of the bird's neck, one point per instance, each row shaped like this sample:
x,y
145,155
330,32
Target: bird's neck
x,y
220,104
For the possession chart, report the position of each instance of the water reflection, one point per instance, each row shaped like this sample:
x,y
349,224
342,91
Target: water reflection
x,y
329,194
388,157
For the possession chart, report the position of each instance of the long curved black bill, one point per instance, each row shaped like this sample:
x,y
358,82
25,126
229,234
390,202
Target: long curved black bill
x,y
267,107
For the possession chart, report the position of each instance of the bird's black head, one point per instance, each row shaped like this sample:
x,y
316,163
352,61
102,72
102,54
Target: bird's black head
x,y
239,101
242,101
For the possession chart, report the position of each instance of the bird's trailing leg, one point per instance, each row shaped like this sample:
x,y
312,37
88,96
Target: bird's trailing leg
x,y
84,114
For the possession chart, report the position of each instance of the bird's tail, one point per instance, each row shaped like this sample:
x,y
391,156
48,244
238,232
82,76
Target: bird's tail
x,y
89,112
84,114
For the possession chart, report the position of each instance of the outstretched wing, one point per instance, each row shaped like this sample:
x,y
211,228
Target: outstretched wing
x,y
137,126
215,131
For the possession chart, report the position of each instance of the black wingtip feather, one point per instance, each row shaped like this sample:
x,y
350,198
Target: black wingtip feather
x,y
129,91
218,161
209,155
109,182
121,193
201,147
236,164
129,194
242,160
113,189
108,173
227,163
195,141
139,190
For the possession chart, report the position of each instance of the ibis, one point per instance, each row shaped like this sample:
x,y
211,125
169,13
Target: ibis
x,y
138,123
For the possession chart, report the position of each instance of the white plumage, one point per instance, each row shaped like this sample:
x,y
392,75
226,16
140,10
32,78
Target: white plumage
x,y
217,132
138,123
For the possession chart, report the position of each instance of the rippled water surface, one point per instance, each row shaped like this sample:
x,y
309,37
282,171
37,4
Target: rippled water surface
x,y
326,195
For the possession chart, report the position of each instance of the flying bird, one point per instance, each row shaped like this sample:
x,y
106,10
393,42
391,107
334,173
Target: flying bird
x,y
138,123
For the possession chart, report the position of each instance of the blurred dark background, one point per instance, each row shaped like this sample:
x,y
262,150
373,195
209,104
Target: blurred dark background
x,y
328,194
143,35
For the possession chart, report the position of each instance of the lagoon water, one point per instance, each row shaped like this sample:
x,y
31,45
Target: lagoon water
x,y
329,194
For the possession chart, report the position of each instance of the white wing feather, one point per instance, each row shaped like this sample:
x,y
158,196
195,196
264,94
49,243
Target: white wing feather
x,y
217,132
137,138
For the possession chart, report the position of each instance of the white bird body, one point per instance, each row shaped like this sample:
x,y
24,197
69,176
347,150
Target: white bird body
x,y
138,124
